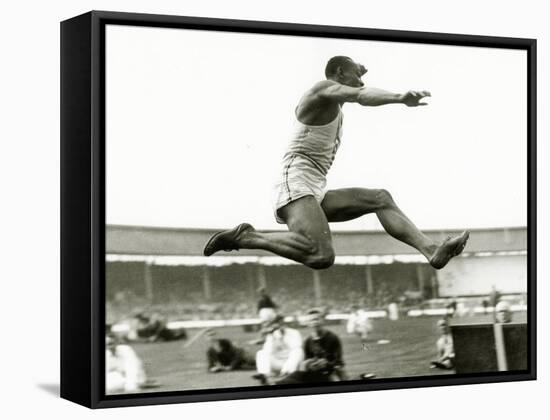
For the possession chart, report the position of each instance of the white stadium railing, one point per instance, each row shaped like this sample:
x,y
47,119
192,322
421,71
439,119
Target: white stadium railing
x,y
218,323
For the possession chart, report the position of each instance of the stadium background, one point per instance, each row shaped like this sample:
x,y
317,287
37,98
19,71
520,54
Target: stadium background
x,y
162,267
161,270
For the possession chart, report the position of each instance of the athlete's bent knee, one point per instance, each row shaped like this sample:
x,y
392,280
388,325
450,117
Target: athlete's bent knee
x,y
384,198
321,260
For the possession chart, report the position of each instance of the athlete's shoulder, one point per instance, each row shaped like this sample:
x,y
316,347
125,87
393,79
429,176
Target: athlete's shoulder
x,y
323,85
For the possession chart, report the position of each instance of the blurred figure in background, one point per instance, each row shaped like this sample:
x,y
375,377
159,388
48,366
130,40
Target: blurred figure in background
x,y
503,312
323,354
124,370
451,307
152,328
223,355
359,323
445,348
485,305
281,353
494,296
267,309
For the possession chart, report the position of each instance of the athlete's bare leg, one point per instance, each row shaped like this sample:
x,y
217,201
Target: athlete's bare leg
x,y
308,240
350,203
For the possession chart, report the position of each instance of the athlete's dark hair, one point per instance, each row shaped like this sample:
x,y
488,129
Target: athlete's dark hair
x,y
334,63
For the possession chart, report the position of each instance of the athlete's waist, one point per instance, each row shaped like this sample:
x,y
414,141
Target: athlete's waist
x,y
292,155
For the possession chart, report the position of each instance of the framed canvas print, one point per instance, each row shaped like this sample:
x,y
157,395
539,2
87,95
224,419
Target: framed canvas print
x,y
257,209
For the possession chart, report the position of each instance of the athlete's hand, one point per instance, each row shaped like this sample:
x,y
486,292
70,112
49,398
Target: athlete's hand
x,y
413,97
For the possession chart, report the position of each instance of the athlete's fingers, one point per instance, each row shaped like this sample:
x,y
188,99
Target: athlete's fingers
x,y
426,93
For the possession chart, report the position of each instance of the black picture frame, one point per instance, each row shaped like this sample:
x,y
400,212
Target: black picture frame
x,y
83,205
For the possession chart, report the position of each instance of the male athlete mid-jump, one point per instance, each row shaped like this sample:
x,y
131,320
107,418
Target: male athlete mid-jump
x,y
301,199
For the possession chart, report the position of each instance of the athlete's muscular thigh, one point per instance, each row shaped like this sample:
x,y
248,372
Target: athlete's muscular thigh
x,y
306,217
350,203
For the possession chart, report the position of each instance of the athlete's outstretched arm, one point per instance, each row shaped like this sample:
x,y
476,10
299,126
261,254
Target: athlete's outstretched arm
x,y
368,96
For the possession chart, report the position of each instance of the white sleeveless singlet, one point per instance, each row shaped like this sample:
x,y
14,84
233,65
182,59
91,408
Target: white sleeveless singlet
x,y
319,143
309,156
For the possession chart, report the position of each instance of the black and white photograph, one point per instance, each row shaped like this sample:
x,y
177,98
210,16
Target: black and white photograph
x,y
285,211
268,210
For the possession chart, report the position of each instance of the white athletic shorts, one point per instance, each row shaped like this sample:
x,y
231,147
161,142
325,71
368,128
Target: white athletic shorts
x,y
300,177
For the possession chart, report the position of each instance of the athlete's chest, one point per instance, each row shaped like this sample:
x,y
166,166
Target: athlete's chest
x,y
316,113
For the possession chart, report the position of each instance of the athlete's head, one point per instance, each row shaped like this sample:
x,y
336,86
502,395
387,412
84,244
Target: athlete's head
x,y
344,70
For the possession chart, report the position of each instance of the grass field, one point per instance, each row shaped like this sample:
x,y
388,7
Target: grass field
x,y
411,347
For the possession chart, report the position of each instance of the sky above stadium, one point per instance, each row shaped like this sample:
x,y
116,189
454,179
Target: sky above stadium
x,y
197,123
